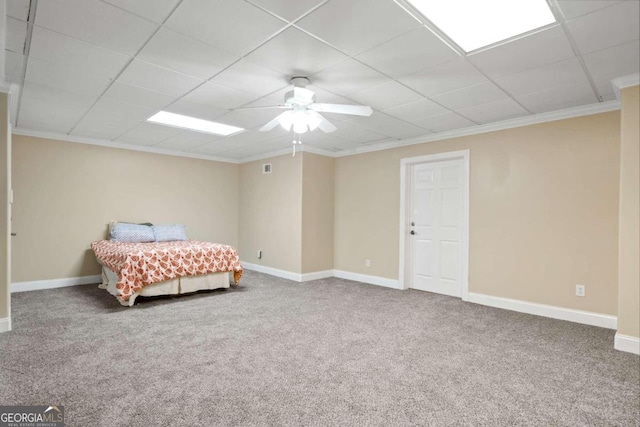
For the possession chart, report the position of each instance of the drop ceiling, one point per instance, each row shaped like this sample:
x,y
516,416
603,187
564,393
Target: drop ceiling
x,y
95,70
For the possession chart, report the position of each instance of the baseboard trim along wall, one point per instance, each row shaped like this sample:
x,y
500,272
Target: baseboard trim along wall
x,y
627,343
38,285
5,324
284,274
364,278
622,342
560,313
316,275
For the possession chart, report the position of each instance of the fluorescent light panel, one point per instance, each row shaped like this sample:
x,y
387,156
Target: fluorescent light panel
x,y
473,24
191,123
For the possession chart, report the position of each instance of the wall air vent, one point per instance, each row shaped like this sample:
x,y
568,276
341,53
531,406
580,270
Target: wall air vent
x,y
266,168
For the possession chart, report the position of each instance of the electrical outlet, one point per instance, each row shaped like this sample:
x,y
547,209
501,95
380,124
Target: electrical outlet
x,y
259,254
367,262
580,290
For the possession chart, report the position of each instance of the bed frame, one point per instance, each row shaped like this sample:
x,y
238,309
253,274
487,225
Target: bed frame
x,y
179,285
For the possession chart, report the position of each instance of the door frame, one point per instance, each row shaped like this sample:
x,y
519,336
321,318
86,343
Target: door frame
x,y
405,200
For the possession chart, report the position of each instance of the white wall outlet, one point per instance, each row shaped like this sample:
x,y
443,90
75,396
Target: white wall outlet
x,y
580,290
367,262
259,254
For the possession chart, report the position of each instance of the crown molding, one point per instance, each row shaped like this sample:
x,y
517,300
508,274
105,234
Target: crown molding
x,y
625,81
568,113
111,144
551,116
299,149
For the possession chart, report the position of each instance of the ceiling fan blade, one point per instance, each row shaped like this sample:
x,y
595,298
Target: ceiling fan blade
x,y
259,108
273,123
355,110
325,125
303,96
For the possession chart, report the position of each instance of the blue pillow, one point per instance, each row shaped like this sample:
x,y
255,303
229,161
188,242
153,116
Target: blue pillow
x,y
130,233
169,233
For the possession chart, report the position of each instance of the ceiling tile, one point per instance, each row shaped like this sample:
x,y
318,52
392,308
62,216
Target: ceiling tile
x,y
444,78
149,134
16,34
248,119
614,61
193,109
444,122
44,114
348,77
63,76
358,25
408,53
561,73
184,54
287,9
96,128
13,66
352,132
535,50
154,10
469,96
117,114
416,110
93,21
558,98
386,95
235,26
219,96
607,27
387,125
54,95
18,9
251,78
121,92
187,140
81,56
295,53
574,8
502,109
159,79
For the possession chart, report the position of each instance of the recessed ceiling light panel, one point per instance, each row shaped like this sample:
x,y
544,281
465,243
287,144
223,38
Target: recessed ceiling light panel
x,y
473,24
191,123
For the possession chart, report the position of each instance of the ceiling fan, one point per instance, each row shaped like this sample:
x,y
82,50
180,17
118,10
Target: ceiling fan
x,y
303,113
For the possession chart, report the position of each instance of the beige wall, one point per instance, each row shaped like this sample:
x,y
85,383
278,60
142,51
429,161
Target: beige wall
x,y
629,231
271,213
317,213
66,193
5,185
543,211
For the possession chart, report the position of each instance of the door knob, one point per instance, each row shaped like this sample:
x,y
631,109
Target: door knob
x,y
14,234
413,232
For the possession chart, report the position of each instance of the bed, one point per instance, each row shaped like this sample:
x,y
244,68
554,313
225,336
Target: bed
x,y
137,269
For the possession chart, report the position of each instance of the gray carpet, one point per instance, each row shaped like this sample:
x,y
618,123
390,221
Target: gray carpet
x,y
328,352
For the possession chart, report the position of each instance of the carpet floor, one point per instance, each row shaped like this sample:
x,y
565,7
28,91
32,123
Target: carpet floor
x,y
327,352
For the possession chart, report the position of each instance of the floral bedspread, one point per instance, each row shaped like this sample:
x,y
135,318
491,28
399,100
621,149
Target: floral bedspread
x,y
141,264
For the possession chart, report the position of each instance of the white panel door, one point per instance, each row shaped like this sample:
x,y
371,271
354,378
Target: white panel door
x,y
435,224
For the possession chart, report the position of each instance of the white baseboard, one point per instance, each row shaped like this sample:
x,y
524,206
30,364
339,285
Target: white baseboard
x,y
5,324
296,277
561,313
316,275
627,343
38,285
364,278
